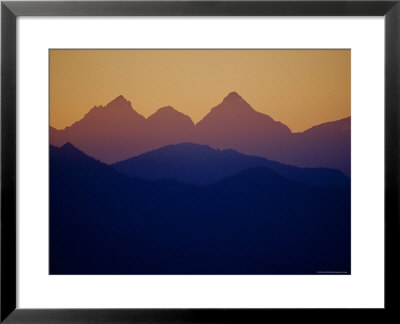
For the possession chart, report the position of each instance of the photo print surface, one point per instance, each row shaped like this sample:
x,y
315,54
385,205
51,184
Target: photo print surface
x,y
200,161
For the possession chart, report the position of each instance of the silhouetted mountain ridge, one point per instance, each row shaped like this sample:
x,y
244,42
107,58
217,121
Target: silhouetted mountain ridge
x,y
202,165
255,222
117,132
168,113
117,110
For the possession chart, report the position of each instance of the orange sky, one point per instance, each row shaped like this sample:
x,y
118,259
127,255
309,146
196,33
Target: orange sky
x,y
300,88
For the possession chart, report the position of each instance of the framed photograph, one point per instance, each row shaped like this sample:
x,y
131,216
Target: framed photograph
x,y
199,161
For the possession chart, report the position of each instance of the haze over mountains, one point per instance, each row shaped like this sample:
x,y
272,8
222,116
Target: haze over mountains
x,y
202,165
117,132
186,199
256,221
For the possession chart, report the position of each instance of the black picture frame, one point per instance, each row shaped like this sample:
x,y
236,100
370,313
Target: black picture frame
x,y
11,10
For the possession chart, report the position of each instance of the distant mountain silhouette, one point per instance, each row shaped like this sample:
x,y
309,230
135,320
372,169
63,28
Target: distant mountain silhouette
x,y
202,165
328,144
104,132
255,222
235,124
116,132
57,137
168,126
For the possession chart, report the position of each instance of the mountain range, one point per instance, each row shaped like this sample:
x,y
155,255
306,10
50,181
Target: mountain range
x,y
259,220
202,165
116,132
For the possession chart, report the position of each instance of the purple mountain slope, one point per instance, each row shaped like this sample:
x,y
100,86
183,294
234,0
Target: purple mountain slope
x,y
117,132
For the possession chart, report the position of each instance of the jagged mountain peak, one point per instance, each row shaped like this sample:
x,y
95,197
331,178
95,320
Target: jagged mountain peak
x,y
233,96
117,109
232,105
119,99
120,103
234,101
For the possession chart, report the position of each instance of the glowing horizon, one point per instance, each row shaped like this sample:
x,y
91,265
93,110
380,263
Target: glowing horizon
x,y
195,81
